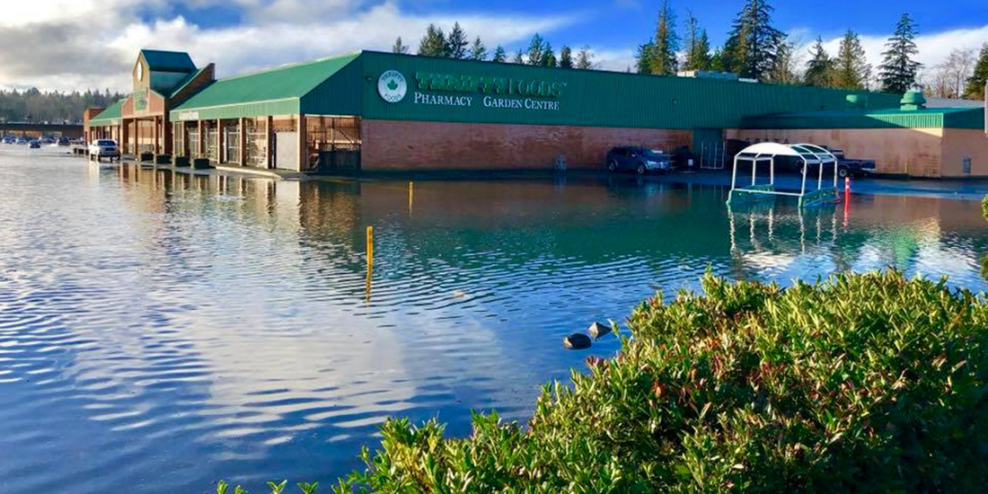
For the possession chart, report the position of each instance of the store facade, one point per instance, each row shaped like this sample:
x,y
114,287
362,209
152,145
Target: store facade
x,y
377,111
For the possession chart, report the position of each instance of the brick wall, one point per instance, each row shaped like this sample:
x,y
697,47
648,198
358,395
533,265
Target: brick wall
x,y
401,145
961,144
914,152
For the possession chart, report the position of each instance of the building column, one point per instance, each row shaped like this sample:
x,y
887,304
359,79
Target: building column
x,y
220,154
269,150
157,134
123,136
166,128
303,145
243,141
200,152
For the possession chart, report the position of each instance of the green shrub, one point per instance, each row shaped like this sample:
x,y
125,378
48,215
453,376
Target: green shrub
x,y
858,383
984,207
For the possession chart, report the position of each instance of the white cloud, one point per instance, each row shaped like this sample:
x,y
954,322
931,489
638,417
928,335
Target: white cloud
x,y
934,48
614,59
81,44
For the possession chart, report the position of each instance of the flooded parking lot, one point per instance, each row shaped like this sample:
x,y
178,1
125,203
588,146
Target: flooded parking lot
x,y
159,331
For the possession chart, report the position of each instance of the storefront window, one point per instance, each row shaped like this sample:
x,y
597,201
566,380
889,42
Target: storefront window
x,y
212,141
178,139
192,131
257,142
333,142
231,139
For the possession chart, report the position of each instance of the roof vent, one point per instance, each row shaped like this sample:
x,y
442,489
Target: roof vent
x,y
913,100
857,101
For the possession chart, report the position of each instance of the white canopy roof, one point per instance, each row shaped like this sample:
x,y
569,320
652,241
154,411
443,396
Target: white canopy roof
x,y
810,153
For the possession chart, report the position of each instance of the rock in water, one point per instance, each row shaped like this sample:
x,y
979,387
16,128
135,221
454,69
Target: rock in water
x,y
599,329
577,342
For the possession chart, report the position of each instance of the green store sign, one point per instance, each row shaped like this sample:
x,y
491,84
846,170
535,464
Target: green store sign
x,y
140,100
500,86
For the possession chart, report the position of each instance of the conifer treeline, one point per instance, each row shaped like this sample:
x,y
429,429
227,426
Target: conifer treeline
x,y
32,105
755,49
456,45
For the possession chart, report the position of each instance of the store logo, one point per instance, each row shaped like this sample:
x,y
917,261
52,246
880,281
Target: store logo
x,y
392,86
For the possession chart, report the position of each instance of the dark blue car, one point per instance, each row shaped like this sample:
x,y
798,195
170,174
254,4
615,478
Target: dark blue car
x,y
637,159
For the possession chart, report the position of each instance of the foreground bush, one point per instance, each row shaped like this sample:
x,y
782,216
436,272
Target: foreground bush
x,y
860,383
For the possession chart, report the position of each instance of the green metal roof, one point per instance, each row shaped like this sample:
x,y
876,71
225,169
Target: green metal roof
x,y
272,92
347,85
107,116
922,118
169,61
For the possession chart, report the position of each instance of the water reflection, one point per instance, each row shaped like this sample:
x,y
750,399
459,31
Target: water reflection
x,y
162,330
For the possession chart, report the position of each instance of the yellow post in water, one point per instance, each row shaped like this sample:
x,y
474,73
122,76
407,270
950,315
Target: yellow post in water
x,y
370,259
411,195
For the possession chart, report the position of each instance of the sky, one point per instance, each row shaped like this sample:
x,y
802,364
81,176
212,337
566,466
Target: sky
x,y
82,44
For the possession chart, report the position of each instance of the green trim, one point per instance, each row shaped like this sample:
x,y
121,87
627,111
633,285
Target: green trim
x,y
109,116
284,106
923,118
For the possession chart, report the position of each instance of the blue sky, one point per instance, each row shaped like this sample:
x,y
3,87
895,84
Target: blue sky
x,y
76,44
627,22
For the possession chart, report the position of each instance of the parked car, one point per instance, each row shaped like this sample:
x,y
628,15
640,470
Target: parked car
x,y
22,140
63,141
845,166
9,140
852,167
35,144
103,148
638,159
683,158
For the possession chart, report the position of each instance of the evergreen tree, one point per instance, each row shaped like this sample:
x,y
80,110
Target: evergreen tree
x,y
433,44
666,43
898,70
566,58
519,57
399,47
697,46
976,84
786,60
751,46
820,68
478,51
717,61
456,43
851,69
644,56
499,55
536,50
548,56
584,59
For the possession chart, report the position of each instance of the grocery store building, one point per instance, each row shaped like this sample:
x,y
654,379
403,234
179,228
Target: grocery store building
x,y
377,111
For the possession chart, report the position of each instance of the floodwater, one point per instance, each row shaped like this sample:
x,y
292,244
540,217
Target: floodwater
x,y
160,331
